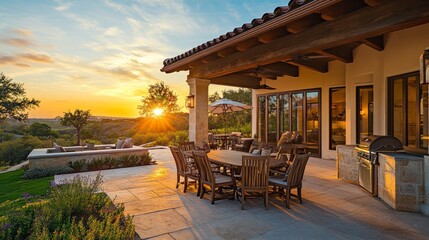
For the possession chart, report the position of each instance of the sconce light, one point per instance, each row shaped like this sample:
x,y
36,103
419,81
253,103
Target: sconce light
x,y
190,101
424,67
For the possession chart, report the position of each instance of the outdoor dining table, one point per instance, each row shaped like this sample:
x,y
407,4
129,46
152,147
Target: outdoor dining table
x,y
233,159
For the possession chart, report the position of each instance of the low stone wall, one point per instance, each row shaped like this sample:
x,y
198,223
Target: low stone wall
x,y
401,181
347,164
45,158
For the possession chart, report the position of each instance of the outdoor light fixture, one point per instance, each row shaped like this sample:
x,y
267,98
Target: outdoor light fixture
x,y
424,67
190,101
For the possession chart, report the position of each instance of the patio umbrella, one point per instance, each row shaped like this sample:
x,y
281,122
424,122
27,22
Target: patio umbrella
x,y
225,105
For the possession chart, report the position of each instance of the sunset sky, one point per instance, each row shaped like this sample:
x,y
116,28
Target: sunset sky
x,y
102,54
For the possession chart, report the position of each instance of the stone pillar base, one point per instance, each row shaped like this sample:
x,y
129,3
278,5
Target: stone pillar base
x,y
424,208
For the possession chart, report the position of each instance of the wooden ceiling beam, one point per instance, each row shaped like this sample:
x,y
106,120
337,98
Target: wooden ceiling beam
x,y
316,65
210,58
375,42
244,46
272,35
372,2
304,23
226,52
283,69
341,53
237,80
353,27
195,64
341,8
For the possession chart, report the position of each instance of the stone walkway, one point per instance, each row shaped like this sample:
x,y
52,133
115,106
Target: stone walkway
x,y
332,209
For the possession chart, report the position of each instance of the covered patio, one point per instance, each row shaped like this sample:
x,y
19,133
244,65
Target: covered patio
x,y
332,209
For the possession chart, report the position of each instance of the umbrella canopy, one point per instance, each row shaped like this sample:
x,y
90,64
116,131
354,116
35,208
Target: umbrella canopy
x,y
225,105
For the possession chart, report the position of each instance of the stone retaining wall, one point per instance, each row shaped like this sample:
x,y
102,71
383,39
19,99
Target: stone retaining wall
x,y
43,158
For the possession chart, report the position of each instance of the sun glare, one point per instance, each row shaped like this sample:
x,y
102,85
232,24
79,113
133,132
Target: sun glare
x,y
158,112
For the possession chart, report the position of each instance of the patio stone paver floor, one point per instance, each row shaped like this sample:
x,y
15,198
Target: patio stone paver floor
x,y
332,209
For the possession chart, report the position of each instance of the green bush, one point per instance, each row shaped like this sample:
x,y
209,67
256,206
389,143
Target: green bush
x,y
72,210
16,151
77,165
45,172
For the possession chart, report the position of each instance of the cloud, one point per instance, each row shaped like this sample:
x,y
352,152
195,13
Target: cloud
x,y
17,59
16,42
22,65
63,6
136,25
22,32
116,6
41,58
112,31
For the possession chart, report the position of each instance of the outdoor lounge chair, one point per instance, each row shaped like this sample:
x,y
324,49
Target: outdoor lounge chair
x,y
211,180
292,178
184,169
254,178
244,146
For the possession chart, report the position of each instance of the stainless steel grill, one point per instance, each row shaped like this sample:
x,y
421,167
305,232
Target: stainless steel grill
x,y
367,154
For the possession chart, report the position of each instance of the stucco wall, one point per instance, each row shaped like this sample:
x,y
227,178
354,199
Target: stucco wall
x,y
370,67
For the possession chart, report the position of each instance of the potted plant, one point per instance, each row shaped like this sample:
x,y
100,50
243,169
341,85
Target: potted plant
x,y
90,144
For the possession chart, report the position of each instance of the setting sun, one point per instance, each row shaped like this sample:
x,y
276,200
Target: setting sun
x,y
158,112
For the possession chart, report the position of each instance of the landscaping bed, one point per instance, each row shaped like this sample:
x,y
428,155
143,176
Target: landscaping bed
x,y
73,210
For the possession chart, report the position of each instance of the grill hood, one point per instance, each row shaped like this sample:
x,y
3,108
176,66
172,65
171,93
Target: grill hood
x,y
377,143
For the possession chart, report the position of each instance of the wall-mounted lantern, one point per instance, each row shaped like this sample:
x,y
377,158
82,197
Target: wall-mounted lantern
x,y
424,67
190,101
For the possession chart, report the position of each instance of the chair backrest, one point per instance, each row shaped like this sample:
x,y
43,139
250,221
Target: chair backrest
x,y
203,165
296,170
187,146
178,159
246,144
211,138
254,172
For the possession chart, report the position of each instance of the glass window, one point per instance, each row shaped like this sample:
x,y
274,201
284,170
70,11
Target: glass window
x,y
272,118
284,113
365,114
312,124
408,110
261,118
424,117
337,98
297,113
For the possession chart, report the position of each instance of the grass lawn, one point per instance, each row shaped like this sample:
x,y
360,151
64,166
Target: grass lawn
x,y
13,186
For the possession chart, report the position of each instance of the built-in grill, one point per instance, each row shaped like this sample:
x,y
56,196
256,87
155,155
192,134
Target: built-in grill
x,y
367,153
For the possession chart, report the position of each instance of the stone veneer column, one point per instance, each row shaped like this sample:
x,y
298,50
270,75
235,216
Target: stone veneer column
x,y
198,116
425,206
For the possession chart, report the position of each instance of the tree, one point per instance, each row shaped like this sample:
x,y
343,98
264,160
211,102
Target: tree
x,y
13,102
160,96
78,119
41,130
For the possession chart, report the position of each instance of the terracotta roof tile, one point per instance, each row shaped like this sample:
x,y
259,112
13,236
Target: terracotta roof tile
x,y
278,11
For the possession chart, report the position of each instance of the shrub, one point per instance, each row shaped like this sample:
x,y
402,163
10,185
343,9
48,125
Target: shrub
x,y
77,165
72,210
16,151
46,172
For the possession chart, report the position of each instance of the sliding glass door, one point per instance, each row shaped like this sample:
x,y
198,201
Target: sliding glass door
x,y
290,111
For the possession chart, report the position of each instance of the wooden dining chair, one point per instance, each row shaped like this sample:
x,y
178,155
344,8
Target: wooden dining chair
x,y
210,180
254,177
292,178
184,169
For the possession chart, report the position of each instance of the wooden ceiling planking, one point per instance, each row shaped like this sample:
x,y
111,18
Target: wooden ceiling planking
x,y
304,23
353,27
237,80
226,51
272,35
372,2
341,8
243,46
